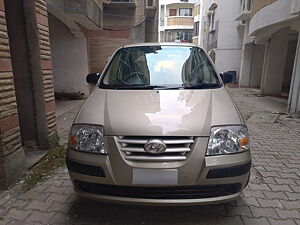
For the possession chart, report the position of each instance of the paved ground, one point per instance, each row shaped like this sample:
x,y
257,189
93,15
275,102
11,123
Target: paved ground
x,y
272,197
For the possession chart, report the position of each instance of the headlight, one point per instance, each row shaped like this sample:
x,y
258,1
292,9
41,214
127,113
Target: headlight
x,y
228,140
87,138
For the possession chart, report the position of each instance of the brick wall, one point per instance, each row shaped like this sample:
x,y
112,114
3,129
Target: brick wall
x,y
10,140
256,5
101,44
44,38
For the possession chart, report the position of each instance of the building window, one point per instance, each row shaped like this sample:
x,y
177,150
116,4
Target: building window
x,y
149,2
185,12
196,29
172,12
245,5
211,19
197,10
179,36
249,5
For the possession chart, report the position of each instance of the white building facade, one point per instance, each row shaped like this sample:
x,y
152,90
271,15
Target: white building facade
x,y
271,49
176,20
258,39
220,33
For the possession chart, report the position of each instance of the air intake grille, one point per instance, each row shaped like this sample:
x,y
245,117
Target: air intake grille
x,y
177,192
177,148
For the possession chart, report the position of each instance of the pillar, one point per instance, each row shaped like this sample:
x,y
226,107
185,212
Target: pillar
x,y
244,80
28,31
274,63
294,96
12,157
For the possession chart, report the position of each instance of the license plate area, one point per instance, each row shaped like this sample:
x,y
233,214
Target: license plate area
x,y
155,176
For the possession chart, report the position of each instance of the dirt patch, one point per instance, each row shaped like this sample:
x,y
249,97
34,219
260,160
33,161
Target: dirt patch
x,y
40,172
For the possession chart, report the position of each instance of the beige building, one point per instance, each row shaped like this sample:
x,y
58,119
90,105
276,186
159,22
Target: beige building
x,y
48,47
270,56
197,23
176,23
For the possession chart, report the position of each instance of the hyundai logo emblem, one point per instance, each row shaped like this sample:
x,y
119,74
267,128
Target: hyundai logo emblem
x,y
155,146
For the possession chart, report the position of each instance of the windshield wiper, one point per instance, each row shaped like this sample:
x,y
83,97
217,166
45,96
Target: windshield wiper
x,y
201,86
138,87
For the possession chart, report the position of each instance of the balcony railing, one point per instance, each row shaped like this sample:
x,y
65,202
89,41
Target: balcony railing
x,y
180,21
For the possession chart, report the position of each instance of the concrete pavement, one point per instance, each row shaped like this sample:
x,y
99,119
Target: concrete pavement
x,y
272,197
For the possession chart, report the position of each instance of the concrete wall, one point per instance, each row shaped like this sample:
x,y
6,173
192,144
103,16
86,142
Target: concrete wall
x,y
151,23
203,36
274,63
69,58
295,7
289,64
228,51
228,60
151,30
271,15
294,95
257,60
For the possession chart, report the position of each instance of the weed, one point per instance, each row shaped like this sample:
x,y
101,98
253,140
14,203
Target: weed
x,y
55,158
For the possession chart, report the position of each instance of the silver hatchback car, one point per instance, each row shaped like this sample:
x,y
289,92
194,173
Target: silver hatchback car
x,y
159,128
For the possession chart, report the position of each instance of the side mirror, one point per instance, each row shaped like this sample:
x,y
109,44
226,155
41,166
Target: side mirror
x,y
92,78
227,77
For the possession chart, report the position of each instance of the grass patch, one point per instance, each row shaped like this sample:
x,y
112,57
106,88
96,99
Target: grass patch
x,y
1,218
40,172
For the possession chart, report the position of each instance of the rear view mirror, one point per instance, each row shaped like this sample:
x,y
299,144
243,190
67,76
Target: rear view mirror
x,y
228,77
92,78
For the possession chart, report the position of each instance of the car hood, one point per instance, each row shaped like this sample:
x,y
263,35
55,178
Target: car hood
x,y
159,112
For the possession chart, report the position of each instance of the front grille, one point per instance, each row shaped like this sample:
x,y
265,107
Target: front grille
x,y
177,148
174,192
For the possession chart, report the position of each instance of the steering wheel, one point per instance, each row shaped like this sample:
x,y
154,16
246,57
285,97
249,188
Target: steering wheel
x,y
137,76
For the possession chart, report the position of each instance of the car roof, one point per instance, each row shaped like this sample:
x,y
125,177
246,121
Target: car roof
x,y
159,44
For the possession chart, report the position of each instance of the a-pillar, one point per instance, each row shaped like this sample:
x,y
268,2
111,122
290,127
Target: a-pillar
x,y
294,96
276,50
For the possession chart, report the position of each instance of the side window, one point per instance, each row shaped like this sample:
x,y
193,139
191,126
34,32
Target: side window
x,y
172,12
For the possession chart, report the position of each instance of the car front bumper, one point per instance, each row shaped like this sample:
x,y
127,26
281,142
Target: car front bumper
x,y
198,180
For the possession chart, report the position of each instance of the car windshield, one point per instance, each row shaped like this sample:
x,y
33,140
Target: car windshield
x,y
160,67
